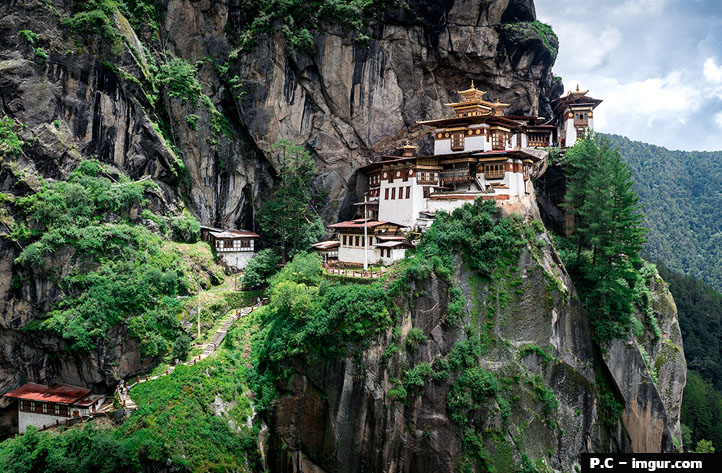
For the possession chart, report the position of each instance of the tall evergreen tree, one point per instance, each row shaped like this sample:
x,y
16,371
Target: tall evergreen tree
x,y
608,233
288,218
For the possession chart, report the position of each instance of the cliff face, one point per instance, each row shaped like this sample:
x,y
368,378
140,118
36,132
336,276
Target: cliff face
x,y
79,94
556,393
347,101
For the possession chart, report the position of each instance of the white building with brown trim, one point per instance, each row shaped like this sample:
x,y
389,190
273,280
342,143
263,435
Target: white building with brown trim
x,y
43,406
381,242
478,153
574,116
235,247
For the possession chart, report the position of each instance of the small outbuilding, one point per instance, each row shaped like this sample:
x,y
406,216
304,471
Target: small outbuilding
x,y
235,247
42,406
327,249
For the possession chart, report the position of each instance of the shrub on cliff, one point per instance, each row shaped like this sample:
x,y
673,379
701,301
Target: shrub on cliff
x,y
119,272
260,269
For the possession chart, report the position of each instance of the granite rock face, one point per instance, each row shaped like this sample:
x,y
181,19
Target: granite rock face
x,y
92,97
347,102
336,416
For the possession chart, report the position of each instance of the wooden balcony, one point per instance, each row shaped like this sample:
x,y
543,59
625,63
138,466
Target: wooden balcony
x,y
494,174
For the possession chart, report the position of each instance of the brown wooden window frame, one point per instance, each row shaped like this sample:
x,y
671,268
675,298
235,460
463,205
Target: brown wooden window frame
x,y
494,171
457,140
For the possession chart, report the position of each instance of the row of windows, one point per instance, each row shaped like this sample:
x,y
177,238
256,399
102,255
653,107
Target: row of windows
x,y
236,244
402,174
44,408
401,193
494,171
355,240
375,180
426,176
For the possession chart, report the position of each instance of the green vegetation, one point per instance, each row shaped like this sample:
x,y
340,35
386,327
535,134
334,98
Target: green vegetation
x,y
260,269
288,218
702,411
519,32
178,77
87,450
602,254
699,309
298,18
10,143
29,36
176,427
679,191
309,315
93,17
97,17
546,33
127,275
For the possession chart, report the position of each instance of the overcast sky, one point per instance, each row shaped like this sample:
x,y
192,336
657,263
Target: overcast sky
x,y
657,64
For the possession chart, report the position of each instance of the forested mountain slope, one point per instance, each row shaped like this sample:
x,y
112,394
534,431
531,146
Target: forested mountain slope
x,y
700,317
681,193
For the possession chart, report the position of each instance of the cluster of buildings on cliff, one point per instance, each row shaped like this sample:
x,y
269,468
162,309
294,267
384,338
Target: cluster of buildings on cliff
x,y
479,152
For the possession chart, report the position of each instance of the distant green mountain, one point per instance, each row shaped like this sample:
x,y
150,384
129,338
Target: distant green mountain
x,y
681,193
700,319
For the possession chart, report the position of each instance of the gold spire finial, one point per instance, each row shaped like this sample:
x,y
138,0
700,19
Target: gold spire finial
x,y
577,86
472,84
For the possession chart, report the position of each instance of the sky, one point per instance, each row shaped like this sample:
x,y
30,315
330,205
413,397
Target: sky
x,y
657,64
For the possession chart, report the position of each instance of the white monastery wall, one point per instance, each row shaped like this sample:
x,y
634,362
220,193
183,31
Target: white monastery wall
x,y
237,259
26,419
356,254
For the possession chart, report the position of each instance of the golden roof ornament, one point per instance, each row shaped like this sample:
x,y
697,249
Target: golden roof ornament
x,y
577,92
407,149
472,93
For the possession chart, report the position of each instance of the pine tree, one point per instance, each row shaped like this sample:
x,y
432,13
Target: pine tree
x,y
288,218
608,234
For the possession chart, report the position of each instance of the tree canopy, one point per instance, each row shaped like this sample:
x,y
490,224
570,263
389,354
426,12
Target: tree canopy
x,y
288,217
607,234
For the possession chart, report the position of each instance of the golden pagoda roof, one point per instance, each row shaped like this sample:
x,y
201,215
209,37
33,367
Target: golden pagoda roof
x,y
577,92
473,98
407,145
472,93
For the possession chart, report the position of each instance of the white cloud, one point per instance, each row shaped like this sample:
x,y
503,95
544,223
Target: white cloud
x,y
718,119
585,48
647,105
712,72
636,7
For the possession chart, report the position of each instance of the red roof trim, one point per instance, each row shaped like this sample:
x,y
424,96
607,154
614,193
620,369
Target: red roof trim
x,y
62,394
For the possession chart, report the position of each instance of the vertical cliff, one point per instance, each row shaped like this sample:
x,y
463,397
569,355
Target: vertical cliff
x,y
167,93
518,382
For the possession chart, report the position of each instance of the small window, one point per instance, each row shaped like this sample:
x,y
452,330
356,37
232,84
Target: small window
x,y
393,193
227,243
498,140
358,240
427,192
408,191
494,171
386,194
457,141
